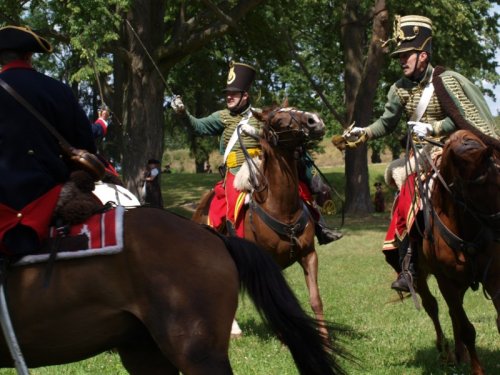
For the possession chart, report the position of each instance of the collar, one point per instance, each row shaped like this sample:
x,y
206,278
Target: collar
x,y
17,64
242,112
427,76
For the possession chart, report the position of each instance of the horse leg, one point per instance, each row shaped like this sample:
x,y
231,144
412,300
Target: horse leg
x,y
463,331
144,357
431,307
309,265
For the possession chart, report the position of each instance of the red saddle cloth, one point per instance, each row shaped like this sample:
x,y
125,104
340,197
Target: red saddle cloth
x,y
102,234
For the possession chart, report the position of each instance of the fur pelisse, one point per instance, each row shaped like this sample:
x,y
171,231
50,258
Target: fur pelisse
x,y
453,112
242,180
76,202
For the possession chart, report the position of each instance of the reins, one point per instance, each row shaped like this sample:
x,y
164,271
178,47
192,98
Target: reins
x,y
457,244
275,138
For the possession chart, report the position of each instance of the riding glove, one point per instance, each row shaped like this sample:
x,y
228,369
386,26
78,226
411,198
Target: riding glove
x,y
249,129
177,105
420,129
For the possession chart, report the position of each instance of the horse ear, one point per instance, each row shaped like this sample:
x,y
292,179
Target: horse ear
x,y
285,103
258,115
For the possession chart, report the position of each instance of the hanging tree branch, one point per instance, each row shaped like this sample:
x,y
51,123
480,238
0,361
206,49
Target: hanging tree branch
x,y
308,75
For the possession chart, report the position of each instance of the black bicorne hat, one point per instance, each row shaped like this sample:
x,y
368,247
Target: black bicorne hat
x,y
18,38
412,33
240,77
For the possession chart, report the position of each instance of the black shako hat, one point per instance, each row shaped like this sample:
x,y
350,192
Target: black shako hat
x,y
412,33
18,38
240,77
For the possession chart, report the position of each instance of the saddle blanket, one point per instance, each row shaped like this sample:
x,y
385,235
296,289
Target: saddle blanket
x,y
103,233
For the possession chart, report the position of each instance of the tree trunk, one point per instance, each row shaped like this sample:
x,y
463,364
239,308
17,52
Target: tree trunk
x,y
143,93
361,85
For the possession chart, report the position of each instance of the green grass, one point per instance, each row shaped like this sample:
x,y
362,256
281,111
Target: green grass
x,y
388,336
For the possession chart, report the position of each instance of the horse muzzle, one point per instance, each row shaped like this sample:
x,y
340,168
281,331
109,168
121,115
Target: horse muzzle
x,y
315,128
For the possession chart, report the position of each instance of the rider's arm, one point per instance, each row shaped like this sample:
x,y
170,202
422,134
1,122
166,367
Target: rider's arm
x,y
389,119
210,125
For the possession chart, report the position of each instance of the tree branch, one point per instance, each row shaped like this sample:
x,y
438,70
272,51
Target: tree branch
x,y
307,74
220,14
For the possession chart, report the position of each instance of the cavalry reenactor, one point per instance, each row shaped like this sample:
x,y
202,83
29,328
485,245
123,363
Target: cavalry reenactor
x,y
435,102
32,167
238,112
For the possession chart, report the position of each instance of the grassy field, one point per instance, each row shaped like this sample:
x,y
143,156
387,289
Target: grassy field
x,y
388,336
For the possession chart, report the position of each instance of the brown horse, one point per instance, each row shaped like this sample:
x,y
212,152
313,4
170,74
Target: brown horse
x,y
277,219
165,303
463,248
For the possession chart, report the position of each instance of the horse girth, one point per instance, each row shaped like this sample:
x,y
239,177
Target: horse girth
x,y
292,230
470,249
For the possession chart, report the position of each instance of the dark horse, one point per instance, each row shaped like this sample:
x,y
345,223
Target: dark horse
x,y
463,248
277,219
165,303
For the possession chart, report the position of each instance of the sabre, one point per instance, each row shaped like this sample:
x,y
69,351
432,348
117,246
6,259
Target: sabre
x,y
172,95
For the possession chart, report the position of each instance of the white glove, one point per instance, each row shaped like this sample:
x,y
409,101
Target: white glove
x,y
177,105
352,134
420,129
249,129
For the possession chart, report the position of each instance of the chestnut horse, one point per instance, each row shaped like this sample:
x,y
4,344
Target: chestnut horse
x,y
276,218
165,303
462,249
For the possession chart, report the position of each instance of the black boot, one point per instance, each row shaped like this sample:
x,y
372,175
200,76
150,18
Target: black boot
x,y
21,240
326,235
408,274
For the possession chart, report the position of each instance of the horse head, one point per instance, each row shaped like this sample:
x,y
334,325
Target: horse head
x,y
467,158
290,127
471,169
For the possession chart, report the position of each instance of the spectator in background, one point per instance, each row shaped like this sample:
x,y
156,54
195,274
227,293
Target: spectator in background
x,y
152,184
378,200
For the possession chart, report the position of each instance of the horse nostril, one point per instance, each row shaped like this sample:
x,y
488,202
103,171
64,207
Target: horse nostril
x,y
311,121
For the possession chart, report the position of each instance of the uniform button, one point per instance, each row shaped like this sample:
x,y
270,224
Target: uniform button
x,y
31,152
19,215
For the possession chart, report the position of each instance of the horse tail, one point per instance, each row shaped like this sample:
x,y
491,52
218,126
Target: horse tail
x,y
263,280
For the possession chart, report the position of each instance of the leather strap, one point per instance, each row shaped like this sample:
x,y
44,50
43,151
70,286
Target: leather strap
x,y
64,144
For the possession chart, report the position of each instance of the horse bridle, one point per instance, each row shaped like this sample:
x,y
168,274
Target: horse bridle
x,y
274,135
291,230
454,242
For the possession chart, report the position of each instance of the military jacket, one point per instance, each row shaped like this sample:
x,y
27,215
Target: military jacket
x,y
224,123
31,161
404,96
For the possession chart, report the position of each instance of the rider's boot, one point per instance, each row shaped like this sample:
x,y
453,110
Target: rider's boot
x,y
408,274
21,240
324,234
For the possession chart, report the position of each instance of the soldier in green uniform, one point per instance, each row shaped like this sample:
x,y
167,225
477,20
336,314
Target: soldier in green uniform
x,y
435,102
226,205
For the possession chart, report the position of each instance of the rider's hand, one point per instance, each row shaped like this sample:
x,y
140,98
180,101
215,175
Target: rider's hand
x,y
177,105
420,129
355,136
352,137
249,129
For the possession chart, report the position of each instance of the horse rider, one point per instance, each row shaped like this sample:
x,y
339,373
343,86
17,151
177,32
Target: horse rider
x,y
32,167
100,126
238,112
436,102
